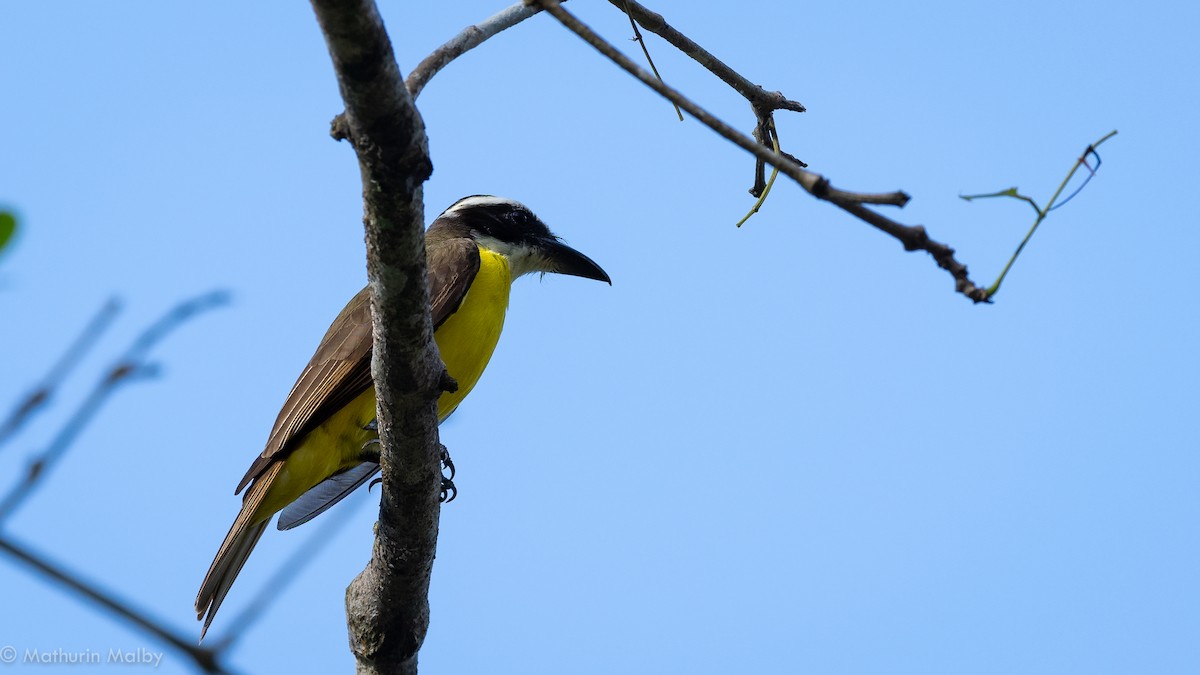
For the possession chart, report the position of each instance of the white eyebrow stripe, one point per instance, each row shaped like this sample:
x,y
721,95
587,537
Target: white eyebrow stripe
x,y
483,200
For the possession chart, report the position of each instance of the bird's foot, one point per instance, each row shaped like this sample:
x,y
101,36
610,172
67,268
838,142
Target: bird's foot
x,y
449,492
369,452
447,463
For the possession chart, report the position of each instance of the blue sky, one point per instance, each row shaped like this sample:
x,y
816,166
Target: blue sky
x,y
785,448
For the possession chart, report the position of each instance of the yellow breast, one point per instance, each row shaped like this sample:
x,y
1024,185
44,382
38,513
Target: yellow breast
x,y
466,341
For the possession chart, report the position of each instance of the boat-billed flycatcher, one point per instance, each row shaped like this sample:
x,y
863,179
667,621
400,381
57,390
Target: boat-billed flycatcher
x,y
314,455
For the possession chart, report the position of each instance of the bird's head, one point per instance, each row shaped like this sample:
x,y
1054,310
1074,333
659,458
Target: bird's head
x,y
512,230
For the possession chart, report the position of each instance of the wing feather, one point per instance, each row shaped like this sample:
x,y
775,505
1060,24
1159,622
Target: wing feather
x,y
338,372
324,495
453,264
340,369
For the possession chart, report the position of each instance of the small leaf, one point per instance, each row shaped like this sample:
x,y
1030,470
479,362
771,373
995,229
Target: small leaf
x,y
8,227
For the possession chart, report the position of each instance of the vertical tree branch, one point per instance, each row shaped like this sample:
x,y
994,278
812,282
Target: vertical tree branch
x,y
387,604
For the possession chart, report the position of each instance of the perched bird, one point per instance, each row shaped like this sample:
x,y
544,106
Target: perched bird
x,y
314,456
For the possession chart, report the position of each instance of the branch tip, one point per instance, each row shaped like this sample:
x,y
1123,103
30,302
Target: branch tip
x,y
814,183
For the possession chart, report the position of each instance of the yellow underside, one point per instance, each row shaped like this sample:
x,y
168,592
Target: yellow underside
x,y
466,340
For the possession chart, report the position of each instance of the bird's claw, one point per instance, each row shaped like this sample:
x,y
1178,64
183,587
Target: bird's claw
x,y
447,464
449,492
371,455
447,495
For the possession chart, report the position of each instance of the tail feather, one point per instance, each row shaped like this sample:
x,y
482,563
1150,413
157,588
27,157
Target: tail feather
x,y
235,549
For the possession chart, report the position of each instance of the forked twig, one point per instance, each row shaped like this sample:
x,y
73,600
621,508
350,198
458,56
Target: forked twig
x,y
1054,203
912,237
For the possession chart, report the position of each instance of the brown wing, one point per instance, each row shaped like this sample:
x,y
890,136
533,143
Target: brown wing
x,y
453,264
340,370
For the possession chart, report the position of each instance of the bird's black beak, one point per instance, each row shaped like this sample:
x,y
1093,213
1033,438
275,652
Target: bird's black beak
x,y
562,259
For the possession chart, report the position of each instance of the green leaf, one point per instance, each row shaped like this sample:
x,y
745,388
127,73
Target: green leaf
x,y
8,227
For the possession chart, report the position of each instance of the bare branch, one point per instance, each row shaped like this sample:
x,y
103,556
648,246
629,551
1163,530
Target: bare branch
x,y
757,96
204,659
387,605
764,103
470,38
913,237
44,390
130,366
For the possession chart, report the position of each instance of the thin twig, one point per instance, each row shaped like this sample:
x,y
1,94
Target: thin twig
x,y
762,197
637,37
43,392
1050,206
469,38
204,659
912,237
764,103
128,367
758,97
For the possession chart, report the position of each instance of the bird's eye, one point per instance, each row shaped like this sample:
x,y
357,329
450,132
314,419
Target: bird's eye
x,y
516,217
